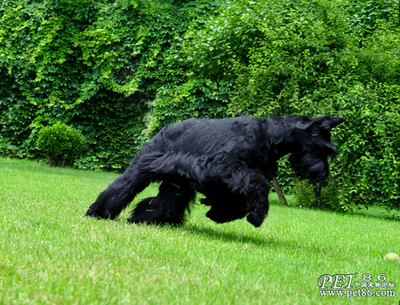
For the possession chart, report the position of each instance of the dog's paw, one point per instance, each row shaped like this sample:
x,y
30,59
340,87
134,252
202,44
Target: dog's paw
x,y
255,219
91,213
96,214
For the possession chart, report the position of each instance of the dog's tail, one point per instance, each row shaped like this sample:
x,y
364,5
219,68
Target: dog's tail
x,y
123,190
118,195
148,166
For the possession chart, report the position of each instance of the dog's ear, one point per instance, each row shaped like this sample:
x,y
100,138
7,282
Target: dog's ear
x,y
328,122
323,123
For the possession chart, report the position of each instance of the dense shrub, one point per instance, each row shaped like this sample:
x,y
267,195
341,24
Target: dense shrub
x,y
61,143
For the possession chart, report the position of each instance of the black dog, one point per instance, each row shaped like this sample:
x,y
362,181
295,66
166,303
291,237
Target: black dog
x,y
230,161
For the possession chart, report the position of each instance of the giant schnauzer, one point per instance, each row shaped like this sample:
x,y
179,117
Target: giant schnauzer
x,y
230,161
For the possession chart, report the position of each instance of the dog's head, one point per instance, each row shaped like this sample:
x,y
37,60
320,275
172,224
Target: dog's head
x,y
313,146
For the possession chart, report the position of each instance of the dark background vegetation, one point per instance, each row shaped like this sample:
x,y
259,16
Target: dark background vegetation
x,y
119,70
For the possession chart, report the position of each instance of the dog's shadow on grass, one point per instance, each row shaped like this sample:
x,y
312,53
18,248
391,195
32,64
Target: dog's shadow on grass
x,y
241,238
223,235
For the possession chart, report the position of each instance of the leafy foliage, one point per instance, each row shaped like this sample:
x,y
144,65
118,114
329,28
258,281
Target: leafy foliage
x,y
120,70
94,65
314,58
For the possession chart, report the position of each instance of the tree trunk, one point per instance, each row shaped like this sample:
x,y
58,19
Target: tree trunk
x,y
278,190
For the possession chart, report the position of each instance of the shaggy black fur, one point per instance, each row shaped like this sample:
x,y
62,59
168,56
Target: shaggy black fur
x,y
230,161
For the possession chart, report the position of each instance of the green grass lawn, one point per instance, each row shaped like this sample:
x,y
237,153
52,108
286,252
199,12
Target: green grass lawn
x,y
51,254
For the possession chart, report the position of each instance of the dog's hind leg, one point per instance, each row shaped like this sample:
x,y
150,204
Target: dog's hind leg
x,y
169,207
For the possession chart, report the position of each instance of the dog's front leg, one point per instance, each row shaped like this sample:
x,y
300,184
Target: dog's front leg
x,y
258,204
254,187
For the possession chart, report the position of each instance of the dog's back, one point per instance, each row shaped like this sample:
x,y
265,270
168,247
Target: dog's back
x,y
205,136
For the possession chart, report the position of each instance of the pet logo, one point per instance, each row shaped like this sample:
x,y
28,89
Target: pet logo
x,y
337,281
348,285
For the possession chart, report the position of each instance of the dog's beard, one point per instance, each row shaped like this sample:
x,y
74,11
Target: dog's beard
x,y
309,167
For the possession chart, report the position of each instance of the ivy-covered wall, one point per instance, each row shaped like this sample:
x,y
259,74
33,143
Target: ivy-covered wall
x,y
95,65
